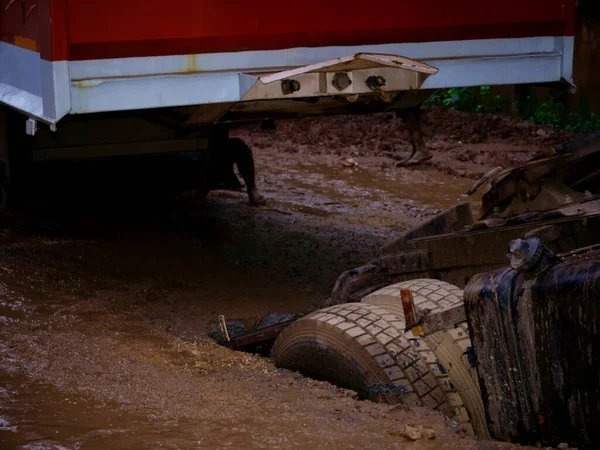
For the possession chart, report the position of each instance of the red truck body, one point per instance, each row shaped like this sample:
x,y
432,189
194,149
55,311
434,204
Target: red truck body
x,y
98,29
59,57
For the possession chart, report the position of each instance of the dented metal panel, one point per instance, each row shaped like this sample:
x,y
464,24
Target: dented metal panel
x,y
358,61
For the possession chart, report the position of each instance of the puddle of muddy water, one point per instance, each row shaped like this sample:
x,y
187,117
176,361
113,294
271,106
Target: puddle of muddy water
x,y
105,380
429,188
36,416
390,197
101,316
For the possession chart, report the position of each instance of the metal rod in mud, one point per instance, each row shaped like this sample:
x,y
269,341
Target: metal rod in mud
x,y
224,331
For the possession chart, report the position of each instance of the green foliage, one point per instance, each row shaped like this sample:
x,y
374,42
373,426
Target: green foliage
x,y
548,113
460,99
466,100
551,113
489,103
577,122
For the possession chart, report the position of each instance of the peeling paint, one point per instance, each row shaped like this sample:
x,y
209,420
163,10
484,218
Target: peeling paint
x,y
86,83
191,65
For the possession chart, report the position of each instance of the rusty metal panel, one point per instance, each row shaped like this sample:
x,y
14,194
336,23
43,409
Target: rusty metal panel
x,y
449,318
476,249
415,261
537,344
358,61
454,219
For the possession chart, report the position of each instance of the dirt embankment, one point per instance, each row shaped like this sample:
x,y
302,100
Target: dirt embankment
x,y
463,144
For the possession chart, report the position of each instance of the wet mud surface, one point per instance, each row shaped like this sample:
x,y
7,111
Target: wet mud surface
x,y
104,320
463,145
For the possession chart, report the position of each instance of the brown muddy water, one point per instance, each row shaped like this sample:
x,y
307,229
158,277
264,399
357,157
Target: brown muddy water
x,y
104,322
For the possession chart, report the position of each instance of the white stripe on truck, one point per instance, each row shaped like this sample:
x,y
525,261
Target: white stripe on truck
x,y
137,83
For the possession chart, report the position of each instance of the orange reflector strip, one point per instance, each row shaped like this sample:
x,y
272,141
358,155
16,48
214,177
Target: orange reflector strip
x,y
27,43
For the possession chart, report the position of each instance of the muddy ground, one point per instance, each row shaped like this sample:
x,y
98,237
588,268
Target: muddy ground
x,y
104,319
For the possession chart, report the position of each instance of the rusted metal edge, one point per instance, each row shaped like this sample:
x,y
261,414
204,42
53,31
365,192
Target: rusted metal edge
x,y
413,320
406,262
424,322
432,323
353,62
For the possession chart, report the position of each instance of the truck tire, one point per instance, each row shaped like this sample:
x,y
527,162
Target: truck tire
x,y
358,346
452,347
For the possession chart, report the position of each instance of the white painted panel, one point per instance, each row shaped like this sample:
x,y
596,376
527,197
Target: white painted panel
x,y
20,68
49,90
40,89
120,94
286,59
56,86
495,71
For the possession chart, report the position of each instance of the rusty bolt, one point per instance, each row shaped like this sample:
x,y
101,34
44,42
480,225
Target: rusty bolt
x,y
289,86
341,80
375,83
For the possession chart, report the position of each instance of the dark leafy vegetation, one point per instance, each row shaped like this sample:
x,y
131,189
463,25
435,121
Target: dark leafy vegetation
x,y
550,112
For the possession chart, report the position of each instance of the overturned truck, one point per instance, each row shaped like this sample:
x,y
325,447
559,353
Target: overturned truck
x,y
515,356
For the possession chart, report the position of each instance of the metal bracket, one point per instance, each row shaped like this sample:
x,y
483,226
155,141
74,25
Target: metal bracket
x,y
31,127
424,323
